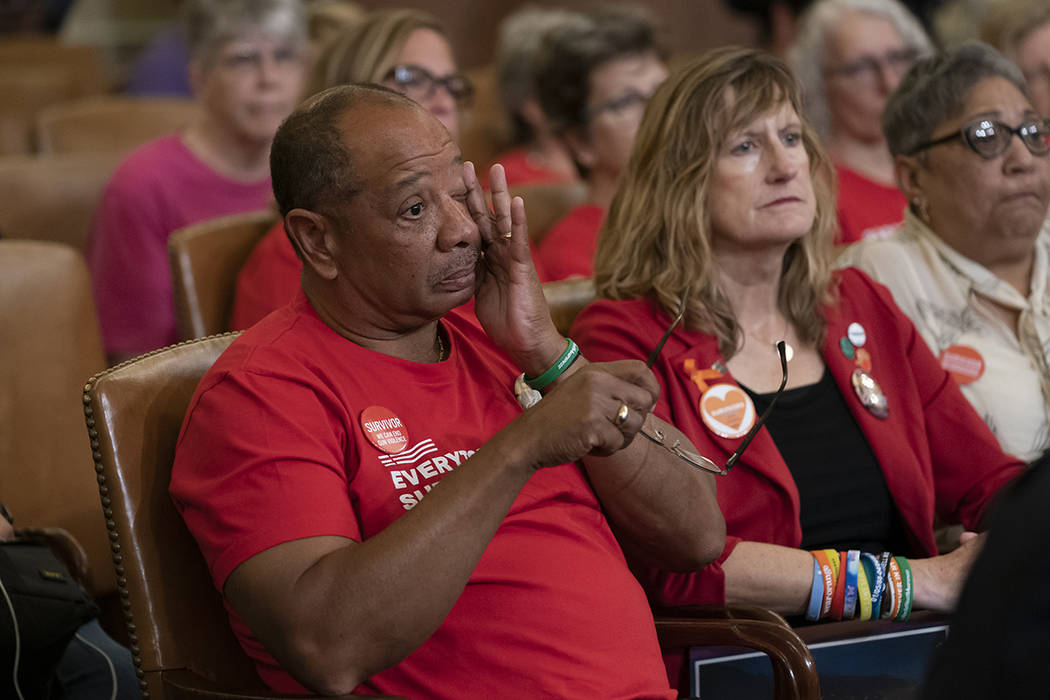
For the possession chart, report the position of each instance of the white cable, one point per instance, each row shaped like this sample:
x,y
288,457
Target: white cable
x,y
18,641
109,661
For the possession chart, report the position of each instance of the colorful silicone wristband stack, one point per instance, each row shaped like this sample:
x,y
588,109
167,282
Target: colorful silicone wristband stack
x,y
860,585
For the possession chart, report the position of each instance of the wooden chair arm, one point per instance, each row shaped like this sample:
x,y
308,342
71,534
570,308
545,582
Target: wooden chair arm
x,y
183,684
794,673
723,612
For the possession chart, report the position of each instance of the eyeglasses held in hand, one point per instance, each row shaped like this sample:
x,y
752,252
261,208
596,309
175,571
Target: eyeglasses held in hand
x,y
417,83
989,138
658,437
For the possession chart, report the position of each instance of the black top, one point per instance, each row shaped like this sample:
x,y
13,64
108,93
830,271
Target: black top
x,y
844,500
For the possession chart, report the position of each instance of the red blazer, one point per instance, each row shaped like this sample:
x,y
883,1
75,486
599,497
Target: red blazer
x,y
936,453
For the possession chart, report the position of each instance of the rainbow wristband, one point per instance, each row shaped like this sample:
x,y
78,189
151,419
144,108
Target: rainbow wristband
x,y
849,601
863,592
907,582
816,593
572,351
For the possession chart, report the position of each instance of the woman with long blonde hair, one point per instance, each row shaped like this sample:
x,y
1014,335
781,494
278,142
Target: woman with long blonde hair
x,y
725,216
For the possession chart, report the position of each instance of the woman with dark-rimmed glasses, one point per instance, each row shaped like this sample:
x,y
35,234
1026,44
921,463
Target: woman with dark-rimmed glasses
x,y
970,264
726,210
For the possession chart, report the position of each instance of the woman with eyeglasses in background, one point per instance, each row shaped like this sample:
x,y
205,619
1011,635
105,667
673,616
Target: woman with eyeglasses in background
x,y
725,210
595,78
405,50
849,56
971,265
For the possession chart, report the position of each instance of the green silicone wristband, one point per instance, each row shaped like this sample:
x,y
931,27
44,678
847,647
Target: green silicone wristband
x,y
907,584
572,351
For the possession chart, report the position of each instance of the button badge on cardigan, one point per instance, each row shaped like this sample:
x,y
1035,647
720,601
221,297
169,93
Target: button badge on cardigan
x,y
870,394
857,335
727,411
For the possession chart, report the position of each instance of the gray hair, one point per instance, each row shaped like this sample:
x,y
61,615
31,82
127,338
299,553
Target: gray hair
x,y
212,23
936,89
517,56
808,55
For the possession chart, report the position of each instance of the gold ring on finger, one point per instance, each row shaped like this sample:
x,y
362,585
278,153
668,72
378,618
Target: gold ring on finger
x,y
621,415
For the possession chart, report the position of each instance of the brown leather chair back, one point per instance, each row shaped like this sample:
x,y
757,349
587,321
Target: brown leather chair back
x,y
566,298
36,72
547,203
110,123
205,260
49,344
53,197
174,614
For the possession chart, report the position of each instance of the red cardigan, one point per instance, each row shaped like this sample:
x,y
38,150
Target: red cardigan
x,y
936,453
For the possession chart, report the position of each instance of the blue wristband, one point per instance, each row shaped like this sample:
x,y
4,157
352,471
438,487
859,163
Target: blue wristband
x,y
816,594
849,602
876,582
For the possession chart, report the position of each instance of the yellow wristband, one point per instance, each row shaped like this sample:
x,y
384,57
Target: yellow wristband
x,y
863,595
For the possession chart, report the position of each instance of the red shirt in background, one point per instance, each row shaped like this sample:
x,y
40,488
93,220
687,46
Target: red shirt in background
x,y
866,209
568,249
521,170
268,280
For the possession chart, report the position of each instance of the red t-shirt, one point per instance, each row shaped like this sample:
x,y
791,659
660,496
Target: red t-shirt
x,y
521,170
568,248
159,188
268,280
274,449
866,209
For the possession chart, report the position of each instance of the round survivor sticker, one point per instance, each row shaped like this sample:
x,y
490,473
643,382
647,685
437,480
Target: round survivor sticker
x,y
384,429
727,411
962,362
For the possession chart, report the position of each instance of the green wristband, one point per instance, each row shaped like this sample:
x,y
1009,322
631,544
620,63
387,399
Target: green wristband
x,y
572,351
907,584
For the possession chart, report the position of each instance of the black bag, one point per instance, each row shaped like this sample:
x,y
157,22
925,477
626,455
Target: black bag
x,y
41,608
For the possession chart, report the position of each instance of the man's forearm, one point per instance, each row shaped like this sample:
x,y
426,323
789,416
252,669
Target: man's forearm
x,y
662,507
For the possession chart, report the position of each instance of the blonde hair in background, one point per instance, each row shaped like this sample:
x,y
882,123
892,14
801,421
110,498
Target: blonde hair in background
x,y
656,240
329,18
366,52
1007,23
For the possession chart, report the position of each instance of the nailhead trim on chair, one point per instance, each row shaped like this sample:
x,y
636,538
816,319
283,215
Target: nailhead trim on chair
x,y
103,490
